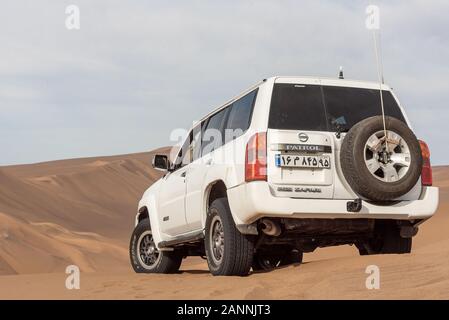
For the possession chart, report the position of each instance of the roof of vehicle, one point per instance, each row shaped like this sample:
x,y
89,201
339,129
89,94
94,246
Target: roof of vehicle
x,y
329,82
304,80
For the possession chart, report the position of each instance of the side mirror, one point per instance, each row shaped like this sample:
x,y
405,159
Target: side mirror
x,y
161,162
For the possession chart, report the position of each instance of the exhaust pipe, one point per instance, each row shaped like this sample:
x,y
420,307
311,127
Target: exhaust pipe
x,y
270,228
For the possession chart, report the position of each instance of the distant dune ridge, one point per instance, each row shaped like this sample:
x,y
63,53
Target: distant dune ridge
x,y
77,211
81,211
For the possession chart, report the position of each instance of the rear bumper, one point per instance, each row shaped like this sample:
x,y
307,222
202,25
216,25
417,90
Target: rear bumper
x,y
251,201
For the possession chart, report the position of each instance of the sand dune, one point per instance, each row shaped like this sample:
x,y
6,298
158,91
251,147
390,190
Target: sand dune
x,y
46,247
73,211
81,212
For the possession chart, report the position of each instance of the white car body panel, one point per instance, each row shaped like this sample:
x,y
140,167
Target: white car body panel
x,y
255,200
251,201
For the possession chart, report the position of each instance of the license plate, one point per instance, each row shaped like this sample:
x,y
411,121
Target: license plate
x,y
302,161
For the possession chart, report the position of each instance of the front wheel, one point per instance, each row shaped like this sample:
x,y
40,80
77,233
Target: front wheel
x,y
229,253
144,255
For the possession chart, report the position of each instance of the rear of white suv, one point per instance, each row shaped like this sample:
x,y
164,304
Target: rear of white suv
x,y
301,156
316,165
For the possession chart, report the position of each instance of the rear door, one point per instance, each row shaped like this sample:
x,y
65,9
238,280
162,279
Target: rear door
x,y
301,159
345,107
206,139
306,127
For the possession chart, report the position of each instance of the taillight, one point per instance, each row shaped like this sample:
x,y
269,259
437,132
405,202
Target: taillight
x,y
256,158
426,172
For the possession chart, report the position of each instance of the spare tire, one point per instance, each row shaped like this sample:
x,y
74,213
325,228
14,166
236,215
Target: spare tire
x,y
381,169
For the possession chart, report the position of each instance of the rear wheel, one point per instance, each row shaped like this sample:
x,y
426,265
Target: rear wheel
x,y
266,261
229,253
144,255
292,257
386,242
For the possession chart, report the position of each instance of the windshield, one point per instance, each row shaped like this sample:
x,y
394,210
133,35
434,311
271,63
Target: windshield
x,y
326,108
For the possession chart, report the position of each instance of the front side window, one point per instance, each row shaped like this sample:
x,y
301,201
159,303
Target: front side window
x,y
184,155
196,142
190,150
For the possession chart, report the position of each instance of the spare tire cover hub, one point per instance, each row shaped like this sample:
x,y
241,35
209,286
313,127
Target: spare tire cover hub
x,y
379,167
387,159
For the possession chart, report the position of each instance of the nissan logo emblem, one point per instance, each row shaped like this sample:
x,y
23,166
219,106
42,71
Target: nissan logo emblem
x,y
303,137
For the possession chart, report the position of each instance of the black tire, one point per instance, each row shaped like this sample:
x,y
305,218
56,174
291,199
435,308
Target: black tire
x,y
265,262
394,243
238,250
363,251
292,257
389,241
355,170
166,262
268,262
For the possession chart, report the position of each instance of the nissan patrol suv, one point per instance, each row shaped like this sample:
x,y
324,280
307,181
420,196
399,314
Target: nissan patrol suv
x,y
288,166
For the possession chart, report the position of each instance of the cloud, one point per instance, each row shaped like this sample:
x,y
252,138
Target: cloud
x,y
136,70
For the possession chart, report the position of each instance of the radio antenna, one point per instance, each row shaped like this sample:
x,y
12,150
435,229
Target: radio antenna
x,y
340,73
373,23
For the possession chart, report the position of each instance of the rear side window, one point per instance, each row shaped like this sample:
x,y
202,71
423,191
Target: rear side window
x,y
240,116
348,106
326,108
213,134
297,107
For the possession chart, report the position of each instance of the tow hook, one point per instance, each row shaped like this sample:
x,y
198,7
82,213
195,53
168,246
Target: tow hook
x,y
354,206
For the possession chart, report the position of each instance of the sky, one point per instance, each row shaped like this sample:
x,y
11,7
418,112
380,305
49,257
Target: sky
x,y
136,70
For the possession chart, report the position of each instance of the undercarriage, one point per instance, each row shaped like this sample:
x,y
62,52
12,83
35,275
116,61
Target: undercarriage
x,y
307,235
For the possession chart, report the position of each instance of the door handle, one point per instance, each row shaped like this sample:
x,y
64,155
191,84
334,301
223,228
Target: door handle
x,y
183,175
209,162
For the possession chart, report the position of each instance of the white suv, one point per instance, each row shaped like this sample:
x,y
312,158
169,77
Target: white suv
x,y
290,165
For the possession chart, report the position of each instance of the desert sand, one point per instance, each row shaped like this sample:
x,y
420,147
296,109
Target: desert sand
x,y
81,212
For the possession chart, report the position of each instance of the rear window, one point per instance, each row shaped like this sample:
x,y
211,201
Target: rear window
x,y
297,107
324,108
